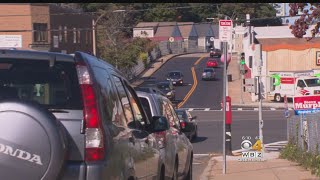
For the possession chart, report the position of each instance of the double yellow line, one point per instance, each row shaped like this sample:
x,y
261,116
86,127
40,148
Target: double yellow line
x,y
194,85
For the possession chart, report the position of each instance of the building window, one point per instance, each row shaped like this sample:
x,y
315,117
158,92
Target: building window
x,y
65,34
60,33
40,33
74,35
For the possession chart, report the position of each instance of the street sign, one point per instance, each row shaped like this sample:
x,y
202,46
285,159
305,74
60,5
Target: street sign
x,y
250,85
225,30
171,39
212,38
11,41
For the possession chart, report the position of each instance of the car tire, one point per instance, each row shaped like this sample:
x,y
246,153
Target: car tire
x,y
189,175
278,98
39,132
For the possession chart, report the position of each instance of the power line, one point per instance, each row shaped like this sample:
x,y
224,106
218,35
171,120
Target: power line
x,y
119,10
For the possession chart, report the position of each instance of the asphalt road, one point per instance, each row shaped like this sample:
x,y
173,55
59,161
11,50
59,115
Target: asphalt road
x,y
245,123
207,94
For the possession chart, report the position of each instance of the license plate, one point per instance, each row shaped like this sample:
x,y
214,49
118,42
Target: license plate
x,y
174,82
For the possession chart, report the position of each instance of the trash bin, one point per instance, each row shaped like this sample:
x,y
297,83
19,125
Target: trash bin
x,y
229,77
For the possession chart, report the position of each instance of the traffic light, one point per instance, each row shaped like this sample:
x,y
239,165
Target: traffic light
x,y
242,59
243,71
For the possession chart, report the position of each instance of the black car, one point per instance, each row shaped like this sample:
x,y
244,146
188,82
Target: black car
x,y
215,53
188,123
176,77
73,117
167,88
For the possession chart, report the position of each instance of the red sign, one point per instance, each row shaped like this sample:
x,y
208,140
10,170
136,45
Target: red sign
x,y
225,22
307,104
287,80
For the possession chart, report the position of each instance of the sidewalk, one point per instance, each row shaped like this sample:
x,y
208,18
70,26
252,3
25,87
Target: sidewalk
x,y
234,89
273,168
155,66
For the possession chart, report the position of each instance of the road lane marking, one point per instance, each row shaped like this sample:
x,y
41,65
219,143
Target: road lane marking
x,y
191,90
239,109
197,62
256,109
207,109
272,109
190,109
195,83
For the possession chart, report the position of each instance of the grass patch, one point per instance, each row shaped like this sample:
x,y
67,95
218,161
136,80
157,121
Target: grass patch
x,y
308,160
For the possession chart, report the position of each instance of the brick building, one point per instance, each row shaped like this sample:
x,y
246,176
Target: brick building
x,y
54,27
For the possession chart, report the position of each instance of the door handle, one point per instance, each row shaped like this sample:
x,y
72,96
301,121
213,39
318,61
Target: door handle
x,y
132,140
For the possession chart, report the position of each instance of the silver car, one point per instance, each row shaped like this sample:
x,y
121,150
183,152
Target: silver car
x,y
209,74
176,149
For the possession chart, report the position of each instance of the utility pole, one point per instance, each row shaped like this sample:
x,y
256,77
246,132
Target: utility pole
x,y
225,90
94,46
259,84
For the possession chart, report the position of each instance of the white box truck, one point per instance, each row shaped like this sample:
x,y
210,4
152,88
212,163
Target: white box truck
x,y
294,83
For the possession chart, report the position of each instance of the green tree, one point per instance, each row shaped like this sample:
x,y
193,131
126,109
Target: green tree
x,y
259,11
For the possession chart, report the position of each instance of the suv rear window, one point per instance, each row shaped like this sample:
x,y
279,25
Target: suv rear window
x,y
34,80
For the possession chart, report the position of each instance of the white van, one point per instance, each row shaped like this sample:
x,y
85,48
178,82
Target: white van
x,y
298,83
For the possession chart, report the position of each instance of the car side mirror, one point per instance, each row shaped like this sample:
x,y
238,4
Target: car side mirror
x,y
159,123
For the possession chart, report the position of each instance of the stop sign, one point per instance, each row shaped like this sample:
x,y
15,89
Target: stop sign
x,y
228,58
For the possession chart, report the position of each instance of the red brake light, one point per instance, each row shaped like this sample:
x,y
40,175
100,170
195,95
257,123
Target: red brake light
x,y
95,148
182,124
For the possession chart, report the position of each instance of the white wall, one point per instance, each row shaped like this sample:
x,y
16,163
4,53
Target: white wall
x,y
139,33
201,41
217,43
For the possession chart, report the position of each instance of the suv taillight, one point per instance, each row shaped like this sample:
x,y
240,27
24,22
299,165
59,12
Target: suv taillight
x,y
94,145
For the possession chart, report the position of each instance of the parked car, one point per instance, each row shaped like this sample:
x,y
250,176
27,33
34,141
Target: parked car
x,y
208,74
73,117
215,53
177,149
212,63
176,77
167,88
188,123
149,89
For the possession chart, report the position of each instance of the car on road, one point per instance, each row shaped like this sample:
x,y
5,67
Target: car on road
x,y
215,53
176,77
167,88
73,117
212,63
208,74
188,123
176,147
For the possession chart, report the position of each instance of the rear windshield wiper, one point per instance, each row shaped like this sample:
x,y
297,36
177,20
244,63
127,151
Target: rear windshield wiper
x,y
58,111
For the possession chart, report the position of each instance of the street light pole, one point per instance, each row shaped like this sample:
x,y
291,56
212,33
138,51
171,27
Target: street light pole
x,y
94,27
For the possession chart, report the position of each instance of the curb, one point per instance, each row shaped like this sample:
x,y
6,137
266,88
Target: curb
x,y
264,104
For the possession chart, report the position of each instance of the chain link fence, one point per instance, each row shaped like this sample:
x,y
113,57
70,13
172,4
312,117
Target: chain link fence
x,y
304,130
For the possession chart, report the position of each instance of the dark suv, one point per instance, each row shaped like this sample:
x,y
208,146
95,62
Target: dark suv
x,y
73,117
